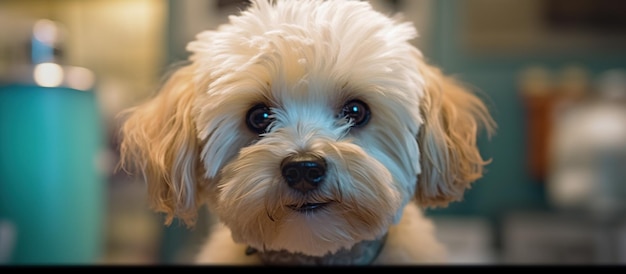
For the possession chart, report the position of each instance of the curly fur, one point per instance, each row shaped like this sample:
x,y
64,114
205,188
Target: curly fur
x,y
305,59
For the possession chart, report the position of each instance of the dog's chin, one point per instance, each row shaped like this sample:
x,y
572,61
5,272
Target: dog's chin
x,y
314,229
308,208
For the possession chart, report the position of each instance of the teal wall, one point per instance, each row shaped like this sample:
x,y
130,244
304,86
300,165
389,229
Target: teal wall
x,y
506,186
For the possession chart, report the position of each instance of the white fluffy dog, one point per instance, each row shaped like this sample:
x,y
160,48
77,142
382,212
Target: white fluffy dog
x,y
316,134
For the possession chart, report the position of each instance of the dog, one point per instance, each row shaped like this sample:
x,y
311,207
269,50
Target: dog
x,y
315,132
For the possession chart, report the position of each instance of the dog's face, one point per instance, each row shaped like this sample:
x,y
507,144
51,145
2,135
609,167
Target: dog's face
x,y
305,126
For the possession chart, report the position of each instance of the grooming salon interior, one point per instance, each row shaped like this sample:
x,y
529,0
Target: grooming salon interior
x,y
552,73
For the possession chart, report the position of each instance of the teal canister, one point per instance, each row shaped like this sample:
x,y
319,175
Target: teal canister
x,y
52,190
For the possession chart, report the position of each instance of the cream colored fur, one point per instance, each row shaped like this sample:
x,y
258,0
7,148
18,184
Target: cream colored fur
x,y
410,242
305,60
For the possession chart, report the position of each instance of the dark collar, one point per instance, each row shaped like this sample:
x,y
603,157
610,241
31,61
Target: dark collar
x,y
362,253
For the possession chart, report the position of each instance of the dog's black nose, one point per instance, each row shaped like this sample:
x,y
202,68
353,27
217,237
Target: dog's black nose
x,y
304,172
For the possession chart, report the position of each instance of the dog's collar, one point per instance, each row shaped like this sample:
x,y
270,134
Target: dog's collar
x,y
362,253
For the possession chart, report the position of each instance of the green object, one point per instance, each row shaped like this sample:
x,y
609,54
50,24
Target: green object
x,y
51,189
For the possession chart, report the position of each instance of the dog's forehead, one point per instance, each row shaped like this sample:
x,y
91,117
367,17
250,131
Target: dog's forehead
x,y
298,46
303,37
355,20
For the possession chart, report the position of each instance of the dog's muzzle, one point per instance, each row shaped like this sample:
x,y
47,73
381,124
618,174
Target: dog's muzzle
x,y
304,172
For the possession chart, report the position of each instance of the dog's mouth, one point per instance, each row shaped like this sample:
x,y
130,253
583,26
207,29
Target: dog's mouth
x,y
308,207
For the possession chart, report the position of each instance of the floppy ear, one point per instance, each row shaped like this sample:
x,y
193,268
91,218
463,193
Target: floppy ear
x,y
450,158
159,140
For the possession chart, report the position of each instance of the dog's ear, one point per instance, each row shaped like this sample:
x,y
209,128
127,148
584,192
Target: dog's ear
x,y
159,140
450,158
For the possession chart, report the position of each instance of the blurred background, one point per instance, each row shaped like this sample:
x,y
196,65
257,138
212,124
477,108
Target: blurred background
x,y
553,73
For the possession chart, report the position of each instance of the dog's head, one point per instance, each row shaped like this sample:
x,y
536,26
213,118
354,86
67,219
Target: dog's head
x,y
305,126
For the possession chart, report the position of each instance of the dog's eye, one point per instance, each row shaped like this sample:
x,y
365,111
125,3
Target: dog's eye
x,y
357,112
258,118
